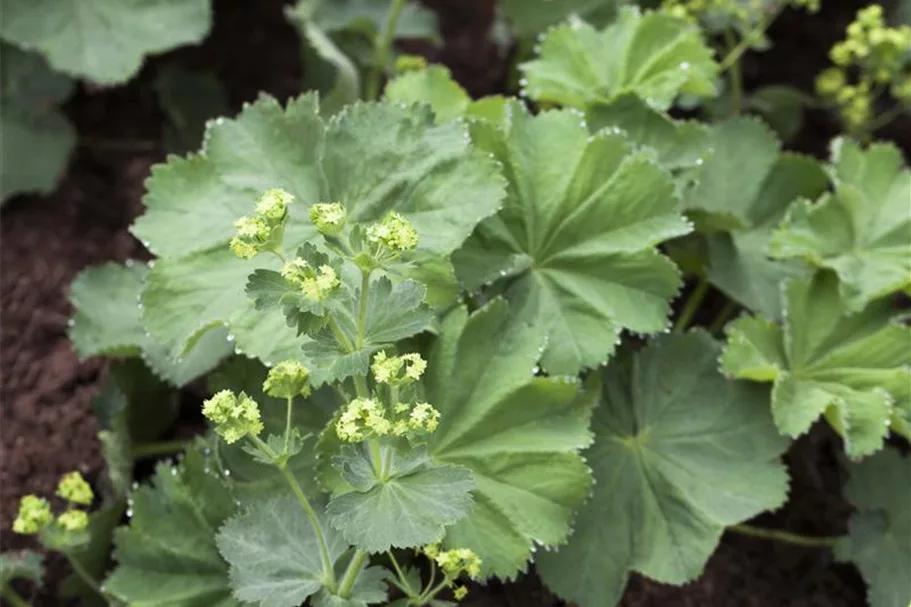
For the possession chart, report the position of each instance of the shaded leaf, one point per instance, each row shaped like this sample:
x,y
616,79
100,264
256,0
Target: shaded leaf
x,y
667,481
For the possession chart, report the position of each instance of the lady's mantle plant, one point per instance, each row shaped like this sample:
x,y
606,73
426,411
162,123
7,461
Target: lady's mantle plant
x,y
411,317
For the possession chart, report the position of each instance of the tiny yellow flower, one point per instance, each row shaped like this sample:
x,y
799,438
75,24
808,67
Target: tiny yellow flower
x,y
394,232
397,370
235,416
287,379
328,217
362,418
34,515
460,593
454,562
273,204
73,488
73,520
424,417
316,285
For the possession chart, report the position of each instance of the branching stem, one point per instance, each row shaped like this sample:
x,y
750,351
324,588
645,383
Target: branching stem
x,y
780,535
405,586
150,450
381,50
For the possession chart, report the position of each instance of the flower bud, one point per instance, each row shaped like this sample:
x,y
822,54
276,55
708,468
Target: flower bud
x,y
328,217
34,515
395,233
73,520
234,416
273,205
73,488
287,379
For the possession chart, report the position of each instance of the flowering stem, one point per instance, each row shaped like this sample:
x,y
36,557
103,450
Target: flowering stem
x,y
376,456
342,340
87,578
784,536
381,50
328,571
734,55
149,450
13,597
405,587
351,573
692,304
288,423
362,308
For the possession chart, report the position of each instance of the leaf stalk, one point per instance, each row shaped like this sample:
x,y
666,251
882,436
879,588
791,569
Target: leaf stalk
x,y
381,50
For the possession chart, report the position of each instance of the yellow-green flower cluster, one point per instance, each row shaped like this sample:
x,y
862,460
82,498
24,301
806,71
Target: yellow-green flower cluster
x,y
409,63
317,284
35,512
262,232
394,232
73,488
287,379
34,515
397,370
454,562
235,416
328,217
877,56
365,418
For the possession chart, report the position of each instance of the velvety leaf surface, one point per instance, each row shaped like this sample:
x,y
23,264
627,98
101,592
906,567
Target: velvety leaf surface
x,y
743,191
37,137
371,157
863,230
411,507
519,435
576,236
104,41
679,454
108,322
274,553
167,556
879,532
824,360
653,55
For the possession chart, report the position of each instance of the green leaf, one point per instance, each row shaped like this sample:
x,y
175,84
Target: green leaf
x,y
274,553
25,565
781,106
107,322
679,454
519,435
744,190
149,406
94,555
863,230
370,588
679,144
250,480
373,158
409,505
880,528
37,138
851,367
577,236
394,312
167,555
433,86
104,41
655,56
529,17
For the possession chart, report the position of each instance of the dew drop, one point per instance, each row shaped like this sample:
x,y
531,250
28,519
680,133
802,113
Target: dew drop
x,y
129,263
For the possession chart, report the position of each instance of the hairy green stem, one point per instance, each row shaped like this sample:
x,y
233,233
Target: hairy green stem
x,y
722,317
13,597
351,574
405,586
87,578
328,570
362,309
339,336
149,450
381,50
784,536
376,457
692,305
734,54
288,423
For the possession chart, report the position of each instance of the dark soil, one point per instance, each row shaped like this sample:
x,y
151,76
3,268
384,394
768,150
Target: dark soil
x,y
47,428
